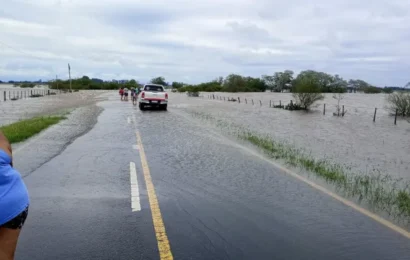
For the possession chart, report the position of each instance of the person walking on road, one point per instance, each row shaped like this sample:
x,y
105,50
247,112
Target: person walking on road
x,y
121,93
14,202
125,94
134,96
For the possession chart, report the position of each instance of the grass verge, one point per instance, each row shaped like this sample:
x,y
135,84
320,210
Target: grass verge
x,y
380,191
24,129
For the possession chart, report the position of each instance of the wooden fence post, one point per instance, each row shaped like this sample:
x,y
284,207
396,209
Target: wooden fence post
x,y
239,100
374,117
252,102
324,109
395,117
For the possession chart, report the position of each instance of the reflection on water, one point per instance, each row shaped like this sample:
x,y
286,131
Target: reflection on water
x,y
354,140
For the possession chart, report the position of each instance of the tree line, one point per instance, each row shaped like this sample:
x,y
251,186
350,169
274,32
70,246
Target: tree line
x,y
94,83
277,82
282,81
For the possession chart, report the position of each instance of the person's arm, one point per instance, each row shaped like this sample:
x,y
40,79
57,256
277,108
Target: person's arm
x,y
6,146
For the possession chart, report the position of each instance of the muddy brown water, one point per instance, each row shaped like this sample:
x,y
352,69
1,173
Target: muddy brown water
x,y
353,140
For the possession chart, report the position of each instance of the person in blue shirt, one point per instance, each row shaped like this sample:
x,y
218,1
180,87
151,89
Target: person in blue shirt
x,y
14,202
134,96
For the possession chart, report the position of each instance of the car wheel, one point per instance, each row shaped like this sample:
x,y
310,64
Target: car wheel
x,y
142,107
164,107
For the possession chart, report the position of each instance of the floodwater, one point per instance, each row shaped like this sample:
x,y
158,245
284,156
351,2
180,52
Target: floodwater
x,y
8,91
8,86
353,140
12,111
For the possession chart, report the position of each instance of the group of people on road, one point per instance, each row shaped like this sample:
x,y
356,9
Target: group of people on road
x,y
124,94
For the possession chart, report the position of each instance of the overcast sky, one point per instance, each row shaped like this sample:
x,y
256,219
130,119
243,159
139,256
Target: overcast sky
x,y
194,41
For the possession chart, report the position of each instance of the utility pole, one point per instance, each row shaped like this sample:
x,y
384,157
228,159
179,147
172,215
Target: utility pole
x,y
57,81
69,75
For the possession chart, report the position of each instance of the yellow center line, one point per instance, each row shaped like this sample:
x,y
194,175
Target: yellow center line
x,y
163,244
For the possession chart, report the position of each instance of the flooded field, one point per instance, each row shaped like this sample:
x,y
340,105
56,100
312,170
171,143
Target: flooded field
x,y
354,140
12,111
6,86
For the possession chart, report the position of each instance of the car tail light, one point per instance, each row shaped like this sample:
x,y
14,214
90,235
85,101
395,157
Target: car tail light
x,y
166,95
143,95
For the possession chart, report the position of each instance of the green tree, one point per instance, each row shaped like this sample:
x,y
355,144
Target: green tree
x,y
387,90
131,84
279,81
283,80
159,80
25,85
359,84
234,83
372,90
306,90
84,81
321,79
269,82
337,85
219,80
177,85
255,85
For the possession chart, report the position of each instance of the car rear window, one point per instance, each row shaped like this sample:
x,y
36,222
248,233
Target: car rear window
x,y
153,88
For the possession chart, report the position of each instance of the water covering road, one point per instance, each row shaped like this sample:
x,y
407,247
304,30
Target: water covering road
x,y
218,200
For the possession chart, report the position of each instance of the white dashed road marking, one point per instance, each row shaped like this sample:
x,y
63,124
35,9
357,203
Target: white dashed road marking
x,y
135,193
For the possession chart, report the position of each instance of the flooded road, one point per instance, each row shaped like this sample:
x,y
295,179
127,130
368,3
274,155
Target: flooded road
x,y
353,140
217,199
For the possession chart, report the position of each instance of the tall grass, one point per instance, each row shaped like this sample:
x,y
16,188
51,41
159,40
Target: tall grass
x,y
24,129
380,191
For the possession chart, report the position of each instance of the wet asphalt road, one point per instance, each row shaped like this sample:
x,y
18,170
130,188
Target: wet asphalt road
x,y
218,200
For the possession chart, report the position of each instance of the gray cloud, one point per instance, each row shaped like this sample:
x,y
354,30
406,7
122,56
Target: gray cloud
x,y
199,40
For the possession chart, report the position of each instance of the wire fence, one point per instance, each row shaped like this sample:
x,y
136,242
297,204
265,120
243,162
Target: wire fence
x,y
19,94
340,111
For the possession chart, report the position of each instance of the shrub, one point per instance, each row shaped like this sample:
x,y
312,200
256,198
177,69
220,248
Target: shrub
x,y
399,101
372,90
193,94
387,90
306,92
